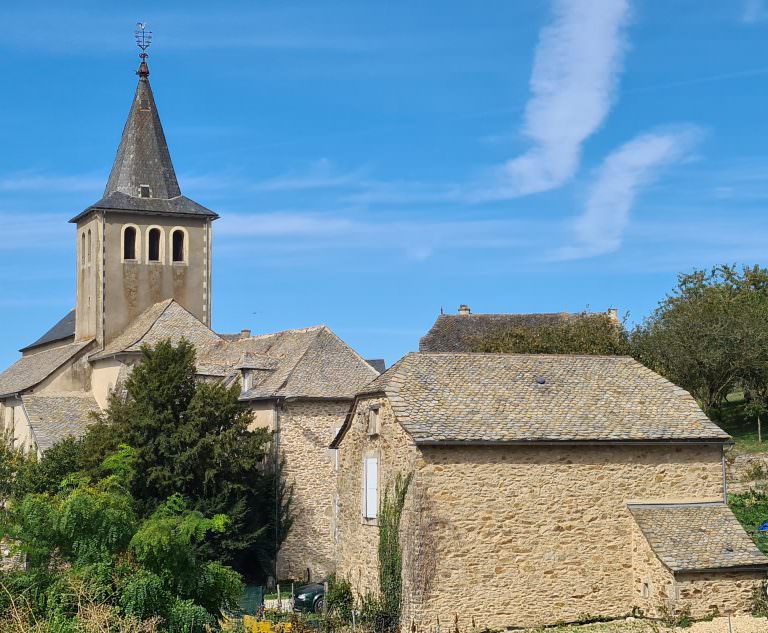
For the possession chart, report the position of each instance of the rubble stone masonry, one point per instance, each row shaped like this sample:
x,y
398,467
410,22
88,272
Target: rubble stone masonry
x,y
517,536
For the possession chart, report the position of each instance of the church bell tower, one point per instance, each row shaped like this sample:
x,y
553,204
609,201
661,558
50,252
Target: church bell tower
x,y
143,242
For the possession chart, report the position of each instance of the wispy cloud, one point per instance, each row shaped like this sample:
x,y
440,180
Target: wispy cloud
x,y
416,239
34,181
322,174
754,11
618,182
573,84
25,231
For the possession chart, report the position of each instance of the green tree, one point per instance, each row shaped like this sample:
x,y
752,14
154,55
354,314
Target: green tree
x,y
86,545
710,334
593,334
12,461
192,438
46,474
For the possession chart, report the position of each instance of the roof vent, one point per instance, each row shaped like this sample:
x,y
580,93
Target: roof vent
x,y
464,309
541,380
144,191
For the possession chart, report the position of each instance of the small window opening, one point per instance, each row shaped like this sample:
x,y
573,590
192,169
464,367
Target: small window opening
x,y
129,243
144,191
144,104
178,246
373,421
90,244
154,245
646,590
82,249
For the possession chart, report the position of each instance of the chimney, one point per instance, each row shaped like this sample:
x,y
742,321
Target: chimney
x,y
245,333
464,309
613,313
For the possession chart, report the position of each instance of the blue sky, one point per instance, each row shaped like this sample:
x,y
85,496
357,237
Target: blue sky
x,y
375,161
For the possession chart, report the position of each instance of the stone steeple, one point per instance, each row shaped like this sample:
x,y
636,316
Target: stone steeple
x,y
143,242
143,179
143,159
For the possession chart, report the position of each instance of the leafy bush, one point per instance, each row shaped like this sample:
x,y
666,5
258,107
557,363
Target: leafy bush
x,y
584,334
91,557
339,599
188,617
751,509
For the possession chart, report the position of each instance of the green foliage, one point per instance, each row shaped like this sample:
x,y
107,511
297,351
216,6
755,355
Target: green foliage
x,y
45,475
390,552
193,439
339,600
12,462
710,334
751,509
593,334
760,602
187,617
90,555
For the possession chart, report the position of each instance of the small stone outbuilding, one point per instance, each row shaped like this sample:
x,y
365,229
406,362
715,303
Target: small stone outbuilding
x,y
544,488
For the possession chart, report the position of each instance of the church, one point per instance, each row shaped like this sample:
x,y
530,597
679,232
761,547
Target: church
x,y
143,261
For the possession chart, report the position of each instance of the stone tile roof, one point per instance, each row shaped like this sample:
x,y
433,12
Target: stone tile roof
x,y
56,416
64,329
697,537
454,332
311,363
478,398
164,320
33,368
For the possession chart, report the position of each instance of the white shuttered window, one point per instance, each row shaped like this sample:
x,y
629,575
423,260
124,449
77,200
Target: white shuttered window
x,y
371,493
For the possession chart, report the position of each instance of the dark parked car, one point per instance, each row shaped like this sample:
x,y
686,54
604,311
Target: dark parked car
x,y
310,598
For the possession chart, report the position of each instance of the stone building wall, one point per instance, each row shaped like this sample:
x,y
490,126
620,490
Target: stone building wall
x,y
724,593
357,557
652,582
550,525
307,427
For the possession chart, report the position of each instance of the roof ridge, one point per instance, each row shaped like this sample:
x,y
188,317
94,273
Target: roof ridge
x,y
528,355
288,331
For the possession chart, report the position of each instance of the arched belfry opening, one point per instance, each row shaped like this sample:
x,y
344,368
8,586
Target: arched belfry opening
x,y
177,246
129,243
153,245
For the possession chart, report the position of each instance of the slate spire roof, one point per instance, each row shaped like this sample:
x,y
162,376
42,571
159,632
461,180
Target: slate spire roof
x,y
143,157
143,179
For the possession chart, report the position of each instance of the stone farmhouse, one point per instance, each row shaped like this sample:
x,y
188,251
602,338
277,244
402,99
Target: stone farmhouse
x,y
143,264
456,332
566,484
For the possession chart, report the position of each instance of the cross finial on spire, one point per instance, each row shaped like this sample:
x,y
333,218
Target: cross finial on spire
x,y
143,41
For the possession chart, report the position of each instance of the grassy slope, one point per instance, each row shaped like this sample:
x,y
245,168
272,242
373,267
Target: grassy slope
x,y
742,426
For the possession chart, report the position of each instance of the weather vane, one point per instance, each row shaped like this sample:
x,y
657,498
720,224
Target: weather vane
x,y
143,39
